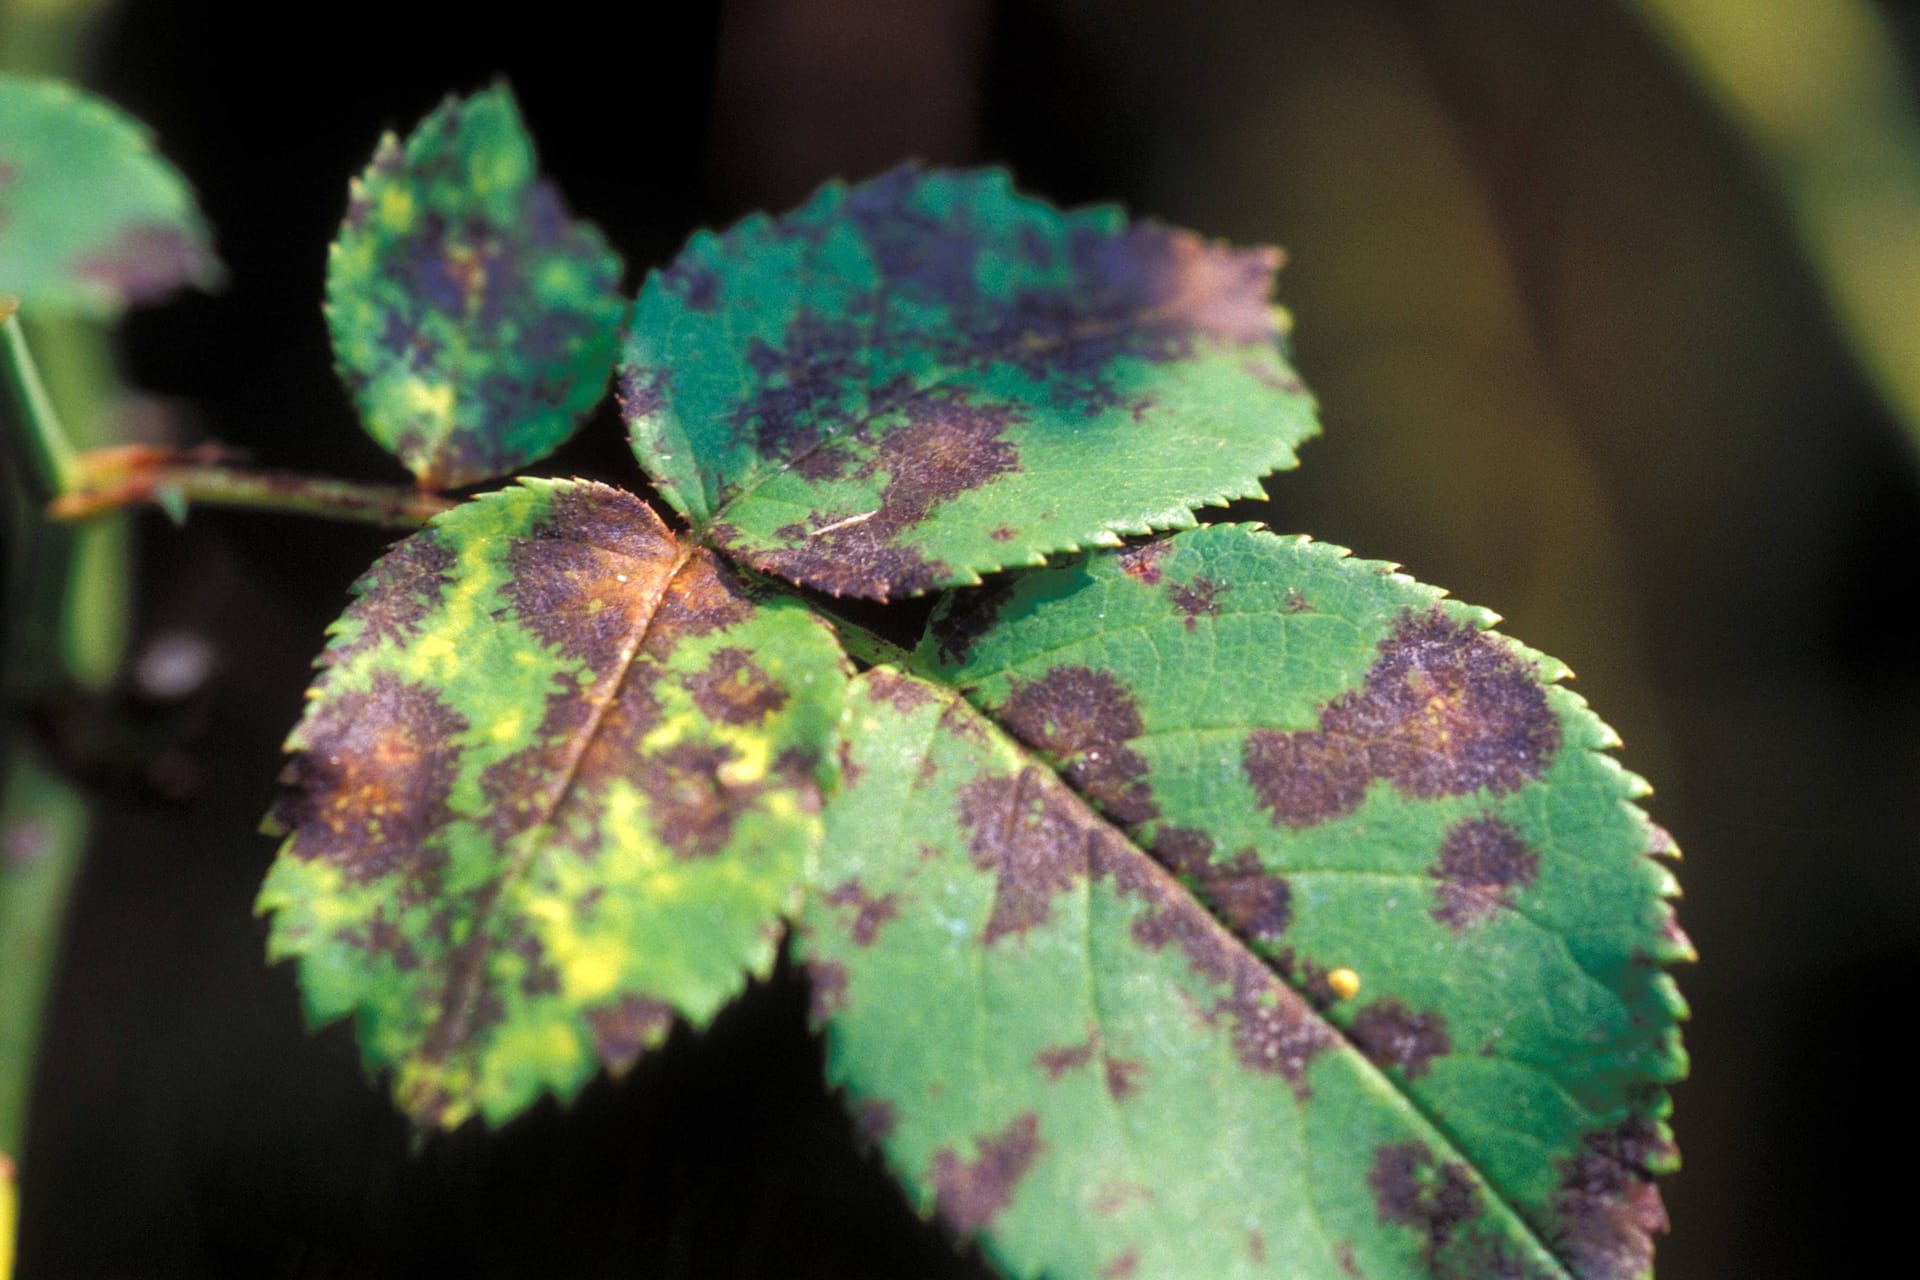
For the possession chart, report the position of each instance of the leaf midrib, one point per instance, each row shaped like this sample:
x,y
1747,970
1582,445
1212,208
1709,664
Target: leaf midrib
x,y
465,985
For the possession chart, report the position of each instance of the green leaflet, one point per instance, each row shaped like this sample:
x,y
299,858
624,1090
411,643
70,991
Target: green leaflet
x,y
473,320
559,780
1058,1048
912,381
91,218
1352,774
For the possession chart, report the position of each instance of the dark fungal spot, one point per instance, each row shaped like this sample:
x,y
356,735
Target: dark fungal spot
x,y
802,387
1197,599
960,624
903,693
1121,1076
1257,1246
1003,533
1607,1207
868,913
1413,1189
1083,718
1142,563
626,1028
923,255
691,802
144,261
1034,841
394,598
1297,602
1480,863
1343,1257
827,983
971,1193
1392,1035
587,577
945,446
1058,1061
1445,710
704,597
695,285
1124,1264
874,1118
640,391
734,690
1255,904
369,785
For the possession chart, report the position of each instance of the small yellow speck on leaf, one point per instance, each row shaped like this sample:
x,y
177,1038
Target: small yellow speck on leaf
x,y
1344,983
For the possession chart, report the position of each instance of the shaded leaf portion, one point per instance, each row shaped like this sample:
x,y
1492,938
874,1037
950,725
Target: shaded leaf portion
x,y
91,217
1352,773
1060,1049
474,321
912,381
558,781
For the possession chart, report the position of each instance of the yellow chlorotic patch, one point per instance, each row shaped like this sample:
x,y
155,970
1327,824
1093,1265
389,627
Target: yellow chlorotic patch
x,y
507,727
1344,983
432,399
9,1215
396,209
591,969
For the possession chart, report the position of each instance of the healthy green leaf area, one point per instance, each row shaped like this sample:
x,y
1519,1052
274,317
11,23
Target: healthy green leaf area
x,y
91,217
559,781
474,322
925,377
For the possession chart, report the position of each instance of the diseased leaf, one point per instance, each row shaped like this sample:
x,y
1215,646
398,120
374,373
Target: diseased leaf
x,y
1059,1049
559,781
1352,774
474,321
912,381
91,217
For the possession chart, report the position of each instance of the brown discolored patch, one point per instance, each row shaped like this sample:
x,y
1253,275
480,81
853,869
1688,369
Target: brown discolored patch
x,y
1481,861
626,1028
704,597
1445,710
395,596
874,1118
1296,602
371,780
690,801
1392,1035
946,446
869,913
1413,1189
1110,1198
1032,838
587,576
1142,563
967,617
827,983
1344,1259
971,1193
1256,905
640,392
1607,1208
1003,533
903,693
1083,718
1197,599
145,261
1120,1075
1257,1246
1124,1264
734,690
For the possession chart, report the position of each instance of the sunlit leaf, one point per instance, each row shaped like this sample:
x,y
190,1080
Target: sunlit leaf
x,y
91,217
1399,814
559,781
474,321
912,381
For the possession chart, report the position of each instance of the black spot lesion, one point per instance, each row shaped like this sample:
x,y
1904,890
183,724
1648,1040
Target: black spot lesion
x,y
972,1193
1607,1208
370,782
394,599
1481,863
733,689
1391,1035
1445,710
1083,718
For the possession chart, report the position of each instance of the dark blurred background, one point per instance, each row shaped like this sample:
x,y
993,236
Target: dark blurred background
x,y
1603,341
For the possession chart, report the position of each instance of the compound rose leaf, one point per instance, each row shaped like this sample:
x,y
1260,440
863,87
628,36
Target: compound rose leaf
x,y
473,320
1400,812
558,783
91,217
913,381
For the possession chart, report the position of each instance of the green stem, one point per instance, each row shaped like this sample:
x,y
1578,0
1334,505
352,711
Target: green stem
x,y
113,478
48,453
